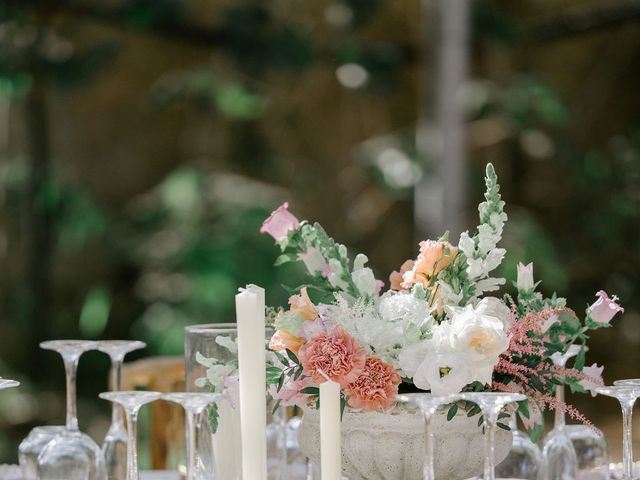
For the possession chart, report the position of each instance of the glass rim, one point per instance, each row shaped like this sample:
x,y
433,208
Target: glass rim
x,y
198,327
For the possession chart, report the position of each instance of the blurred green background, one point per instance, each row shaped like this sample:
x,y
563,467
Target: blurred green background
x,y
142,142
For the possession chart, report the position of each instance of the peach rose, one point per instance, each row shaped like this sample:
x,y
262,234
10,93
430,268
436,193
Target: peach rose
x,y
376,387
337,354
283,340
433,259
302,305
395,279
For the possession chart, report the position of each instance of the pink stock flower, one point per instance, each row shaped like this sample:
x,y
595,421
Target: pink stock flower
x,y
337,354
432,260
395,279
290,393
592,379
604,309
283,340
280,223
376,387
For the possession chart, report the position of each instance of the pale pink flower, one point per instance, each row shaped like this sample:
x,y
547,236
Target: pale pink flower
x,y
231,388
313,328
290,393
395,279
535,416
592,379
303,305
432,260
283,340
376,387
604,309
280,223
337,354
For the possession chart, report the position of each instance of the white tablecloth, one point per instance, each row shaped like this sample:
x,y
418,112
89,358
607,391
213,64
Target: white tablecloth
x,y
12,472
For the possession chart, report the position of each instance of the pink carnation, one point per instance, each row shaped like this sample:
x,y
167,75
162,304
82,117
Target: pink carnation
x,y
280,223
376,387
604,309
337,354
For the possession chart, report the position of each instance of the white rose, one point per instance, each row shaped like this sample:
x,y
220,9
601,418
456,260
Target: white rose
x,y
525,278
479,335
496,308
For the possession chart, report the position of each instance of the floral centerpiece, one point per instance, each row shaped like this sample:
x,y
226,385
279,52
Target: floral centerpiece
x,y
440,326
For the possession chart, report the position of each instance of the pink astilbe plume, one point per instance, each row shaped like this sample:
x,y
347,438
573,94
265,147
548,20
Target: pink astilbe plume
x,y
526,362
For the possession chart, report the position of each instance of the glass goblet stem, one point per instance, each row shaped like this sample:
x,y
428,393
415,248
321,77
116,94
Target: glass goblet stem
x,y
429,470
71,368
116,385
490,421
559,418
627,450
132,444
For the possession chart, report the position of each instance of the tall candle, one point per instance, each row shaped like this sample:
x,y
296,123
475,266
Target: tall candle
x,y
250,311
330,442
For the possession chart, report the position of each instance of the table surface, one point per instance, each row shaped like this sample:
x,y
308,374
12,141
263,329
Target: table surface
x,y
12,472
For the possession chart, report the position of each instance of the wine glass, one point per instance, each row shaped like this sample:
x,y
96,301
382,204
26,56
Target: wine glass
x,y
491,403
194,405
131,402
114,446
70,454
626,395
559,458
524,459
591,450
428,405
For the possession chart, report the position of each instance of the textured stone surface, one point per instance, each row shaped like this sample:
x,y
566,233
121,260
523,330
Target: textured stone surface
x,y
390,446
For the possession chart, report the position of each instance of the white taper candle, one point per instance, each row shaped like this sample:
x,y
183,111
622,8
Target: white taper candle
x,y
250,311
330,440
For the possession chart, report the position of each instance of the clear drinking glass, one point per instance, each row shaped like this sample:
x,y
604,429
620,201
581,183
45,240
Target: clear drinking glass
x,y
131,402
491,403
70,454
428,405
194,405
524,459
114,447
201,340
222,452
559,460
626,395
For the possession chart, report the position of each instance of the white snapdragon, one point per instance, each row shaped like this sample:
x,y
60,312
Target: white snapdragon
x,y
363,277
524,281
335,275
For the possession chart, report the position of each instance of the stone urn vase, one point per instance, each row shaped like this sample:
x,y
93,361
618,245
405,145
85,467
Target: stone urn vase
x,y
391,446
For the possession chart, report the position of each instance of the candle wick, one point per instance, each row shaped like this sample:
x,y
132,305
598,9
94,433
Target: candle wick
x,y
324,374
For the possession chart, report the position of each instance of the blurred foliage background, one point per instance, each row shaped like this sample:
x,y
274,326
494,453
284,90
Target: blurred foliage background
x,y
142,142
